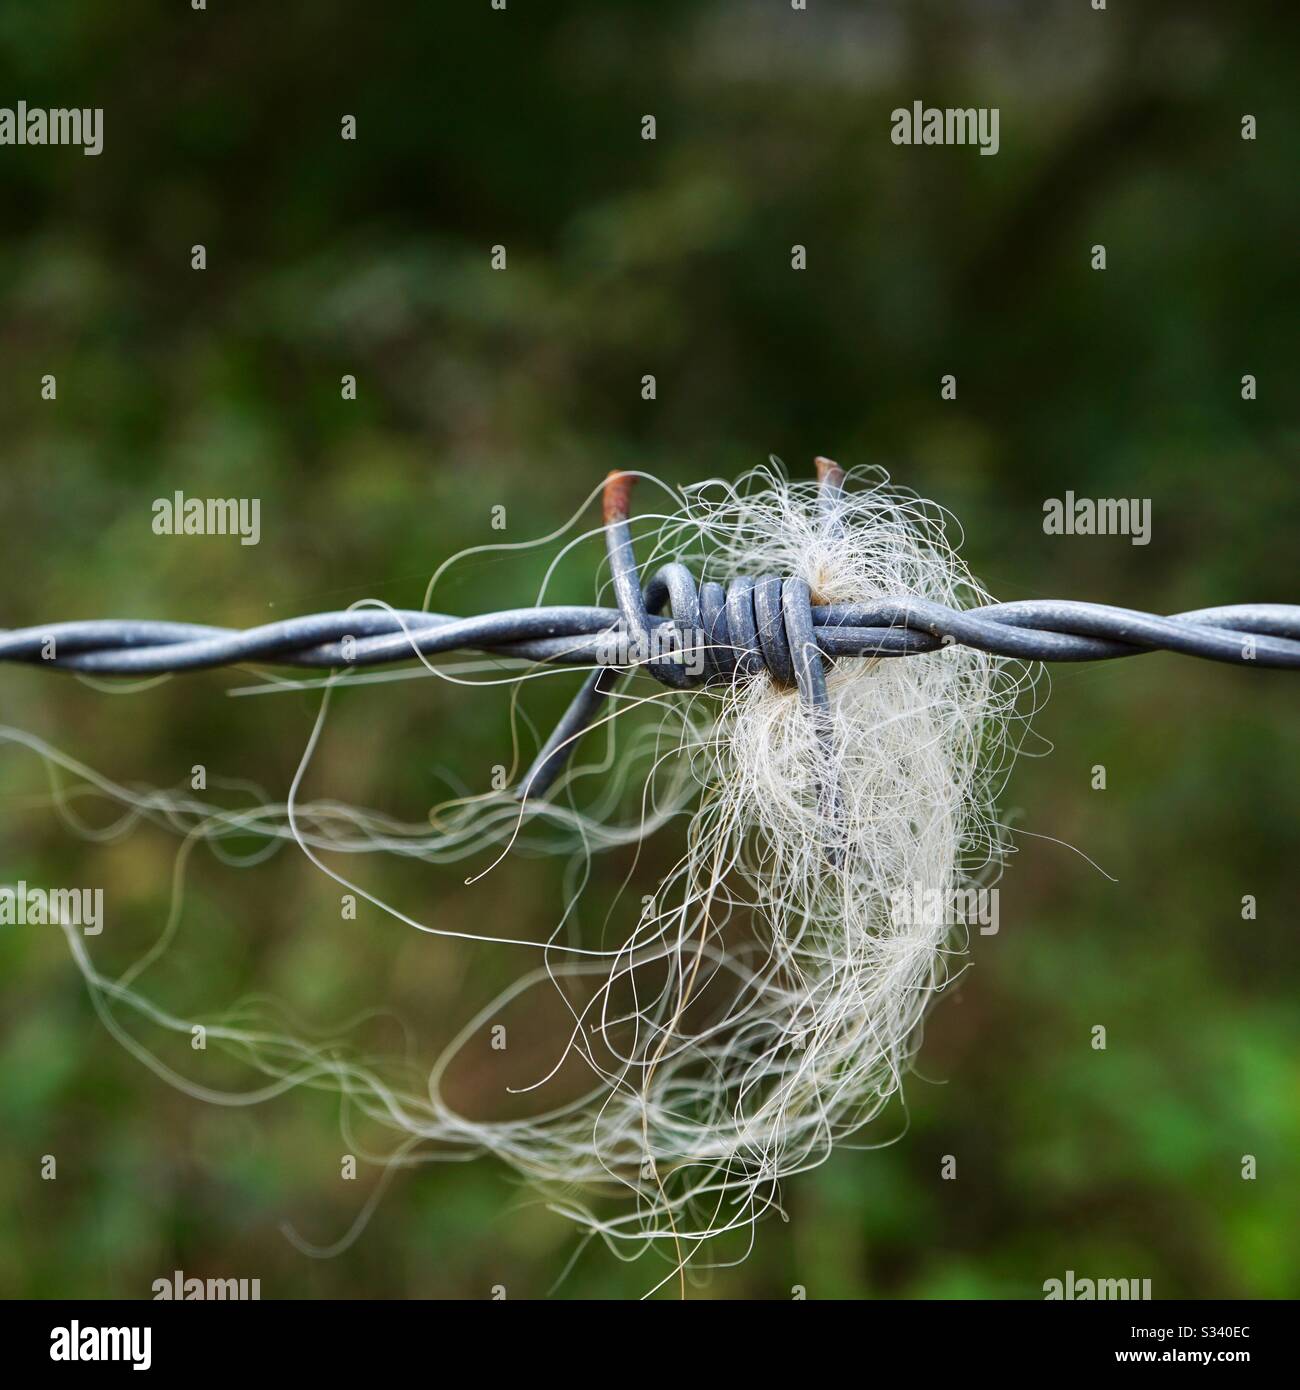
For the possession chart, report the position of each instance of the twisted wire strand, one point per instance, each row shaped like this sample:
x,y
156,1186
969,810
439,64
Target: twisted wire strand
x,y
1249,634
709,633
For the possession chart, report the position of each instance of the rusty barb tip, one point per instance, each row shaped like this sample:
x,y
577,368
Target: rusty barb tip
x,y
617,493
829,473
617,496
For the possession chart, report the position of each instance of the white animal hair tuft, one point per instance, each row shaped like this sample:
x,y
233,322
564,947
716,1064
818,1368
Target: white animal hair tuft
x,y
791,1006
767,1002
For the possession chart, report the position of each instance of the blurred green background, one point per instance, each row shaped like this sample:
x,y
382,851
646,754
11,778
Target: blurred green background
x,y
521,388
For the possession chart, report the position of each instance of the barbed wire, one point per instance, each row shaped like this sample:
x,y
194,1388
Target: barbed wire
x,y
1249,634
709,633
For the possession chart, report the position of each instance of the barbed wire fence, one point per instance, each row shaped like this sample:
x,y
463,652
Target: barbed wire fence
x,y
708,633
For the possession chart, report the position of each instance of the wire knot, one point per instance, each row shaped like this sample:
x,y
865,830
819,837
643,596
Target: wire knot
x,y
752,626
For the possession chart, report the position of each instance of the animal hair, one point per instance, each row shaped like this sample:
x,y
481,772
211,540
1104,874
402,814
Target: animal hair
x,y
767,1002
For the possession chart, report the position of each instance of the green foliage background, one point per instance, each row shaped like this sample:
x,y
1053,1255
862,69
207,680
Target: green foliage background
x,y
477,127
